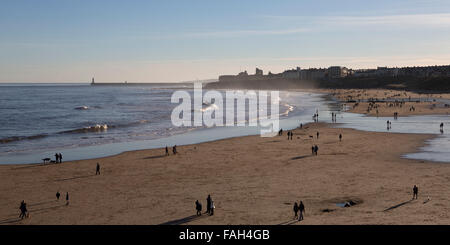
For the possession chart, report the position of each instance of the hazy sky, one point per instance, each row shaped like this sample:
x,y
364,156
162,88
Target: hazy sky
x,y
164,41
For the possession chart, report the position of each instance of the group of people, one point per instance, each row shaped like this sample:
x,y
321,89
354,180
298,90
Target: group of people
x,y
58,195
316,117
299,208
290,134
333,117
209,206
23,205
174,150
58,157
395,115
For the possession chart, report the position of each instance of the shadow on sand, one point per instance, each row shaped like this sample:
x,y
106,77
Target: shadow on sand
x,y
36,211
33,165
184,220
301,157
289,222
79,177
10,221
398,205
154,157
40,203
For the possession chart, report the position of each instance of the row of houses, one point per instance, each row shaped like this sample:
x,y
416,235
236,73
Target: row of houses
x,y
334,72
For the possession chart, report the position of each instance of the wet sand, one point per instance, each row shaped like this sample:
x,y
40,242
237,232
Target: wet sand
x,y
253,180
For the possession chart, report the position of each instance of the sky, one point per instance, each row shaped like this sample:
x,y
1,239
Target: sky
x,y
170,41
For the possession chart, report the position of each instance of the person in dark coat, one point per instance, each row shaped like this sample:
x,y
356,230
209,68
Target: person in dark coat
x,y
67,198
295,210
23,210
97,169
415,192
198,207
58,195
174,149
208,204
211,209
301,208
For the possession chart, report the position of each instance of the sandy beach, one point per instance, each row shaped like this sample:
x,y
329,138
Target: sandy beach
x,y
423,104
253,180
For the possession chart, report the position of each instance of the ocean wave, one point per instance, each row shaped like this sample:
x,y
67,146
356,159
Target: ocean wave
x,y
289,108
91,129
19,138
95,128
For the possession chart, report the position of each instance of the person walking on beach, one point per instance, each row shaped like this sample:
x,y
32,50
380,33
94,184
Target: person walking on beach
x,y
97,169
415,192
174,149
58,195
167,151
312,150
60,158
67,198
340,137
23,210
316,149
208,204
198,207
302,210
442,127
56,157
211,211
317,134
295,210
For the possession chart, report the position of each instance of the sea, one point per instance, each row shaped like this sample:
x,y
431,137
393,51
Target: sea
x,y
83,121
